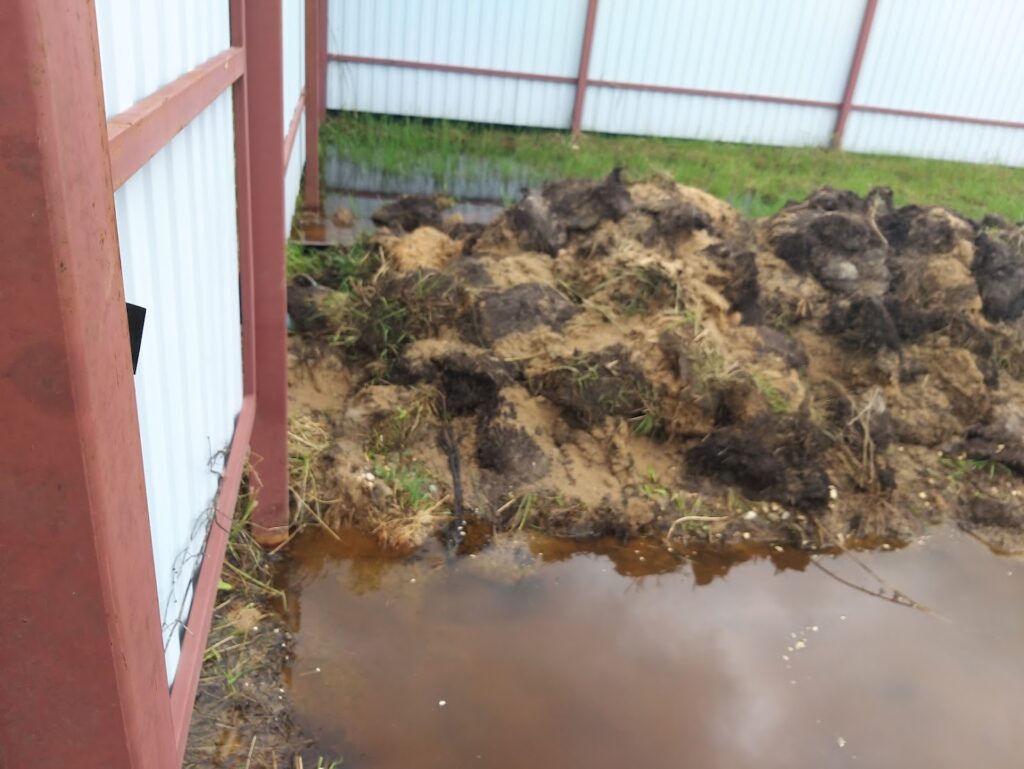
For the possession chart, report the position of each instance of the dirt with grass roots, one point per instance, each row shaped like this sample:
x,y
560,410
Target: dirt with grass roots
x,y
640,359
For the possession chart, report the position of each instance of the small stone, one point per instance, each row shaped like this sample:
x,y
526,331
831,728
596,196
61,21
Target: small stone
x,y
412,580
746,535
785,657
922,494
814,628
833,492
442,703
799,645
840,742
750,515
842,616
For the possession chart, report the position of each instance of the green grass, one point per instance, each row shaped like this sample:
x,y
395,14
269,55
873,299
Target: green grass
x,y
759,180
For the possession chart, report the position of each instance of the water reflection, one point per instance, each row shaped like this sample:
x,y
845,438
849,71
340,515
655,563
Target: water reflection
x,y
552,654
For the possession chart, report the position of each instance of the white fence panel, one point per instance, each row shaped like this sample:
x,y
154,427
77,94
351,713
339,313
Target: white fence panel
x,y
293,175
293,54
293,31
943,57
176,220
534,36
798,49
146,45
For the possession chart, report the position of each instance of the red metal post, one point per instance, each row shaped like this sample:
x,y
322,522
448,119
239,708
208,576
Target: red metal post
x,y
81,652
265,92
581,83
855,65
311,190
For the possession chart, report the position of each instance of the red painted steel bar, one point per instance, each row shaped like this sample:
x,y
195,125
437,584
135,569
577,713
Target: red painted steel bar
x,y
81,652
143,129
581,83
683,91
186,679
293,126
851,82
937,116
265,93
314,92
451,68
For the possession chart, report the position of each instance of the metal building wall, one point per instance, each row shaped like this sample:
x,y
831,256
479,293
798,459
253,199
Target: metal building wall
x,y
179,253
534,36
797,49
294,55
736,61
947,57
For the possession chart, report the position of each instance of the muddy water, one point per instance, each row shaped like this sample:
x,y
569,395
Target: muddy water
x,y
551,654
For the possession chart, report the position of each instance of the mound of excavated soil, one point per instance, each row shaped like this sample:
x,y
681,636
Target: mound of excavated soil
x,y
639,358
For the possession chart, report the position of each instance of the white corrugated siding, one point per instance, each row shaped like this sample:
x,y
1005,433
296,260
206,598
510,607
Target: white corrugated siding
x,y
293,53
179,255
942,56
790,48
145,45
536,36
293,34
293,175
947,57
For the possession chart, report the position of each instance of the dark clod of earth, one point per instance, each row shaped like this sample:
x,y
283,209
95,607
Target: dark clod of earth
x,y
639,358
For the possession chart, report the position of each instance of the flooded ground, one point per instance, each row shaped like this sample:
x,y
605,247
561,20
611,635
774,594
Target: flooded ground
x,y
545,653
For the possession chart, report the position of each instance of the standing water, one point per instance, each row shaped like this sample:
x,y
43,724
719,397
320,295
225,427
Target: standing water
x,y
542,653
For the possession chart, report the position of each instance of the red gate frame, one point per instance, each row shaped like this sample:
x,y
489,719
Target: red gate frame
x,y
81,652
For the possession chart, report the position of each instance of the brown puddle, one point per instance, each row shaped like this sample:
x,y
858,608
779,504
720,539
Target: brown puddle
x,y
547,653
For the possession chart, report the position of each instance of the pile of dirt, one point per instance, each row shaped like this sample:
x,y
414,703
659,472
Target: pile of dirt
x,y
616,358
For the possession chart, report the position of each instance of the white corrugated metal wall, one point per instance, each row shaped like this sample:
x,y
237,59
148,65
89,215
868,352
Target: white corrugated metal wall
x,y
939,56
536,36
293,31
947,57
179,253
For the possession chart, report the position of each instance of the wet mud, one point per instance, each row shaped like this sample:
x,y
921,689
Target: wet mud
x,y
544,652
627,359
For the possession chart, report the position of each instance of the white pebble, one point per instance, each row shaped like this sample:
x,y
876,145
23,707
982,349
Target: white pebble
x,y
750,515
799,645
922,495
833,492
785,657
842,616
412,580
370,477
442,703
814,628
746,535
840,742
318,670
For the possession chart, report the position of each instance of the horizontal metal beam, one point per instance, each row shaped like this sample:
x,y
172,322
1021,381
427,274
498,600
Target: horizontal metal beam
x,y
736,95
146,127
451,68
937,116
293,128
197,628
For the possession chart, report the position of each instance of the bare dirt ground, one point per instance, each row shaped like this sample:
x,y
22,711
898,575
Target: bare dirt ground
x,y
640,359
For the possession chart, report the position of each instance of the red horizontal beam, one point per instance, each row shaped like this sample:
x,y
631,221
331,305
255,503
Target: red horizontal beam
x,y
197,629
293,127
146,127
451,68
937,116
737,95
671,89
